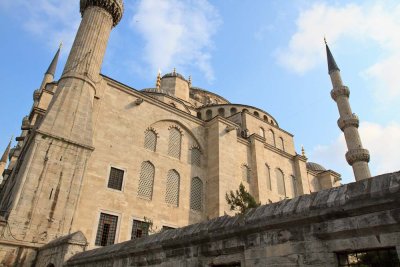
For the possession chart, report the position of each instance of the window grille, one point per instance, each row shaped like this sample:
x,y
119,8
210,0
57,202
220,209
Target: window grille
x,y
106,230
280,180
196,194
172,191
174,148
268,172
146,180
115,179
294,186
246,177
150,140
196,156
139,229
369,258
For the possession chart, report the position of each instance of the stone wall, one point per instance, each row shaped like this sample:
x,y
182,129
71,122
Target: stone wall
x,y
304,231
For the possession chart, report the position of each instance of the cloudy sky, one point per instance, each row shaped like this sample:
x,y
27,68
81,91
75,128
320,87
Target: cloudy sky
x,y
269,54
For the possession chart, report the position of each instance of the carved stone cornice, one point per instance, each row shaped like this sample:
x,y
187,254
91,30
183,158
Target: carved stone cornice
x,y
351,120
356,155
114,7
340,91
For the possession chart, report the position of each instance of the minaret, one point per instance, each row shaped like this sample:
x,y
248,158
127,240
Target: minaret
x,y
356,156
3,160
49,75
70,113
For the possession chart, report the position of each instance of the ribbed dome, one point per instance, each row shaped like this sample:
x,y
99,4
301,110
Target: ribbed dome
x,y
315,166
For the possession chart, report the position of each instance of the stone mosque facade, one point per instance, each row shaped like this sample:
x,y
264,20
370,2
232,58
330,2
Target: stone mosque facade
x,y
114,163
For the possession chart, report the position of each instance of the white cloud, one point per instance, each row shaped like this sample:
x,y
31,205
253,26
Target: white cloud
x,y
375,24
177,34
382,142
49,20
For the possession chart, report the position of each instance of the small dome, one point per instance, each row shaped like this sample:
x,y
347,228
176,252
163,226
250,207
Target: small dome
x,y
315,166
174,74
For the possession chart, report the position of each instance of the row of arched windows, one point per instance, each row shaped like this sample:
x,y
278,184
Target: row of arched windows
x,y
174,145
229,112
146,185
270,137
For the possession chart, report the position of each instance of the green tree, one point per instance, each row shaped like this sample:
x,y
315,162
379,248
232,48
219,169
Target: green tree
x,y
241,200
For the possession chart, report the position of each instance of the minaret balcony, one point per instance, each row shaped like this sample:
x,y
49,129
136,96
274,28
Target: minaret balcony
x,y
356,155
340,91
349,121
114,7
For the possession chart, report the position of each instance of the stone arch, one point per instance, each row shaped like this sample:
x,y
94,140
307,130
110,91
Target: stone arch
x,y
280,181
256,114
265,118
271,137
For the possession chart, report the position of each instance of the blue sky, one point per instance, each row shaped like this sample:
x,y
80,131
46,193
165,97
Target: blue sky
x,y
269,54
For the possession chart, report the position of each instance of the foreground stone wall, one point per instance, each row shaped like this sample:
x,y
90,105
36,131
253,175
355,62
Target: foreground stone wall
x,y
304,231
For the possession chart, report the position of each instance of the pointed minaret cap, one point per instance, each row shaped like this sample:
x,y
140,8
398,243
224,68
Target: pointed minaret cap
x,y
158,83
53,65
6,152
303,152
332,66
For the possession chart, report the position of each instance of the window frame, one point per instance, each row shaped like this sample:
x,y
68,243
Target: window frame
x,y
202,208
139,219
124,177
96,225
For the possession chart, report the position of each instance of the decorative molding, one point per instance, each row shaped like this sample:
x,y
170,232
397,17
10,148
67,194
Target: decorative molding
x,y
176,127
348,121
153,130
356,155
340,91
114,7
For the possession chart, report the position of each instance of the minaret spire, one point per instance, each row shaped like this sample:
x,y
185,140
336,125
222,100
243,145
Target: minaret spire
x,y
49,75
4,158
348,122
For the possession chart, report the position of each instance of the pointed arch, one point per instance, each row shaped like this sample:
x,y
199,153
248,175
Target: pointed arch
x,y
280,181
196,194
271,137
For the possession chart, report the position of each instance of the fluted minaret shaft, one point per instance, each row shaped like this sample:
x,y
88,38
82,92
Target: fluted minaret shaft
x,y
356,156
70,113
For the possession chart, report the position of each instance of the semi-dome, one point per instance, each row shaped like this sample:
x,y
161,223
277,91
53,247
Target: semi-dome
x,y
315,166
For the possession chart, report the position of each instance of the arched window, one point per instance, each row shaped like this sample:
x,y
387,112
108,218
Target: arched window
x,y
246,177
199,115
209,114
294,186
172,190
195,156
150,140
221,112
175,139
196,194
233,111
280,181
281,144
262,132
256,114
245,110
146,180
268,176
265,118
271,138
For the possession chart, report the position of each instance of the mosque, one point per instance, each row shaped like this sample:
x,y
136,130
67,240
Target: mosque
x,y
117,163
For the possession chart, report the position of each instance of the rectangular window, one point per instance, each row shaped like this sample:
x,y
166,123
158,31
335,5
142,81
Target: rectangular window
x,y
139,229
106,230
380,257
116,178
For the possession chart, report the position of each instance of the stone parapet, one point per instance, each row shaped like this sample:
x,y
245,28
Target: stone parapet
x,y
114,7
351,120
304,231
340,91
355,155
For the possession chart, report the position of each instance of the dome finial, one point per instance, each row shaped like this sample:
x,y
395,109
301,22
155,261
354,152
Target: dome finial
x,y
303,152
